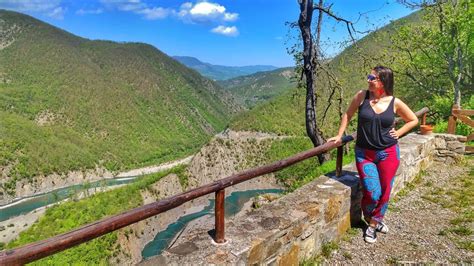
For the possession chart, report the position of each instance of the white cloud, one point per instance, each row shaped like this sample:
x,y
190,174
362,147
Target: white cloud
x,y
51,8
202,11
90,11
231,16
187,5
207,9
227,31
138,7
205,12
57,13
30,5
124,5
154,13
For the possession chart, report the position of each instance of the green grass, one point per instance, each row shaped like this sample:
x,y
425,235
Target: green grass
x,y
461,230
72,214
326,252
183,180
347,255
328,248
392,260
459,198
350,234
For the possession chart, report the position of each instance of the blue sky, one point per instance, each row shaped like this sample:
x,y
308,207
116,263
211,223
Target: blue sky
x,y
225,32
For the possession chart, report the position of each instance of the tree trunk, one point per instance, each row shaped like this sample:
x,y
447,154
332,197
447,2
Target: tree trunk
x,y
454,59
309,68
457,90
457,84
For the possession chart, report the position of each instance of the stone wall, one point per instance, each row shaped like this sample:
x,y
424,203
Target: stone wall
x,y
295,227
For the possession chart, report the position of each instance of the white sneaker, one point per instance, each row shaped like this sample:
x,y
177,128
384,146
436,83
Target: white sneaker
x,y
382,228
370,235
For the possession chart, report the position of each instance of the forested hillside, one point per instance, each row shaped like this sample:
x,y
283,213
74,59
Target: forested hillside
x,y
260,87
68,103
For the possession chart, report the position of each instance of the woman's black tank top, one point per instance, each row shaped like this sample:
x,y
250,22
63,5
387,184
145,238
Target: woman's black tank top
x,y
373,130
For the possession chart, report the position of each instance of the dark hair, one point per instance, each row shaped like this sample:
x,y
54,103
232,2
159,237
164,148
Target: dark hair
x,y
386,77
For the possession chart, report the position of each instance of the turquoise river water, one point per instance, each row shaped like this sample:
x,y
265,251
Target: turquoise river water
x,y
32,203
233,204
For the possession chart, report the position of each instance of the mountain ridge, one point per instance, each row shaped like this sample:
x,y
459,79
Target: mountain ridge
x,y
221,72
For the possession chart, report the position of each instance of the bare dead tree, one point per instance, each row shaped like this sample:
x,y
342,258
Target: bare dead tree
x,y
311,59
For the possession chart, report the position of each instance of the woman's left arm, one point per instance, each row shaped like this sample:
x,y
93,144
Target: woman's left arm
x,y
407,115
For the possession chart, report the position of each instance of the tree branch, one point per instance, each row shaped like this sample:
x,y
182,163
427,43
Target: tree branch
x,y
332,78
349,24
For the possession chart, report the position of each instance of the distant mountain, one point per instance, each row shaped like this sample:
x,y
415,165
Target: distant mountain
x,y
261,86
218,72
68,103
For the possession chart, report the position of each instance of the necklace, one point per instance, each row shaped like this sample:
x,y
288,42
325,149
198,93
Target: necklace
x,y
376,100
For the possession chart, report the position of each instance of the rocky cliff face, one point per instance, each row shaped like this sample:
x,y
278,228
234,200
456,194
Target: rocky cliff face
x,y
227,154
7,33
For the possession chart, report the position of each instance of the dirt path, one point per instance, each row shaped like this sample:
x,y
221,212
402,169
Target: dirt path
x,y
429,222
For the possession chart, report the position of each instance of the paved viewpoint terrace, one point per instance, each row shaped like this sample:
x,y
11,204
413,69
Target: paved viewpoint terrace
x,y
297,226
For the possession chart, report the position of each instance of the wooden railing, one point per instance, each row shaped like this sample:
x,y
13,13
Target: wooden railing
x,y
43,248
463,116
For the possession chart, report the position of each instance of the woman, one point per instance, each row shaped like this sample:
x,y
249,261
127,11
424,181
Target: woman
x,y
377,152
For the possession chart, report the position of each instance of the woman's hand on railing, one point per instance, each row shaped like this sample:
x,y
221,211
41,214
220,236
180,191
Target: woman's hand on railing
x,y
337,139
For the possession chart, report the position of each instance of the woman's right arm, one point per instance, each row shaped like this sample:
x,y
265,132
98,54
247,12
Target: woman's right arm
x,y
346,117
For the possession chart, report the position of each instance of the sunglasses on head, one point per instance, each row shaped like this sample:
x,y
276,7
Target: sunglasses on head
x,y
371,77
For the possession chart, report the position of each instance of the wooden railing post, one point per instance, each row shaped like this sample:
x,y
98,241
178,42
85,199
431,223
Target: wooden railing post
x,y
219,215
339,161
452,120
451,124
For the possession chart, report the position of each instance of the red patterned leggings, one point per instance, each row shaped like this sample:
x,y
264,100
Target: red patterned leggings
x,y
377,170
